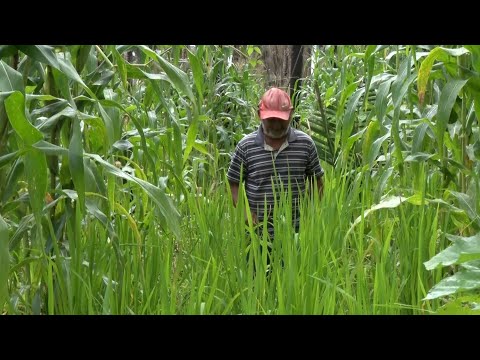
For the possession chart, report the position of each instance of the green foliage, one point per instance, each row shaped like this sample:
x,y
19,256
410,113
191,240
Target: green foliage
x,y
464,305
114,199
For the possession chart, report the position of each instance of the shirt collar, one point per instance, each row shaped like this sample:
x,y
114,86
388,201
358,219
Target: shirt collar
x,y
260,138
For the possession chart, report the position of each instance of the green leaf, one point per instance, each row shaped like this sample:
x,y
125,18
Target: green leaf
x,y
26,223
105,77
114,115
381,101
122,68
370,65
344,96
455,52
10,79
62,83
418,136
387,203
463,305
382,183
50,149
68,112
427,63
375,148
7,50
403,72
134,72
468,204
418,157
75,163
370,135
445,104
461,281
4,262
475,51
50,109
42,53
93,209
400,90
12,180
424,72
67,68
463,249
36,173
89,178
42,97
5,159
177,144
191,136
99,179
201,148
349,118
108,125
177,76
158,196
82,57
197,73
122,145
15,107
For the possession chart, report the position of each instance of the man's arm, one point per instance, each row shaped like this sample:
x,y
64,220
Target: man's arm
x,y
238,166
320,187
314,170
234,190
234,173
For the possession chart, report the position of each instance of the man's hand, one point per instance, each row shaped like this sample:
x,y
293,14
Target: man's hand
x,y
254,218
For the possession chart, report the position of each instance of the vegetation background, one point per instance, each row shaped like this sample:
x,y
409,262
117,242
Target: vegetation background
x,y
113,197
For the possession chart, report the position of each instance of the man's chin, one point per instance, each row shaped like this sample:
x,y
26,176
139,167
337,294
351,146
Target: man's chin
x,y
276,136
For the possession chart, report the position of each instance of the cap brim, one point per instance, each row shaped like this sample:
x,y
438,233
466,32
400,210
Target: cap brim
x,y
265,114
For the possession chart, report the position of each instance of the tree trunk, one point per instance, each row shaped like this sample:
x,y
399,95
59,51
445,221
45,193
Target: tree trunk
x,y
285,65
296,66
276,59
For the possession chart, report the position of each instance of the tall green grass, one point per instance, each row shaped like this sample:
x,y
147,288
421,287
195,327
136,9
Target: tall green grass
x,y
334,265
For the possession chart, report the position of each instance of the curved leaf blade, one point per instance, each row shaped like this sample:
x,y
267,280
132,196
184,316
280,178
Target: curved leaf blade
x,y
447,100
463,249
461,281
10,79
158,196
424,72
42,53
15,107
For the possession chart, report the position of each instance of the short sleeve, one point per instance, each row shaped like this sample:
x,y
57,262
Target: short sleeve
x,y
313,163
238,161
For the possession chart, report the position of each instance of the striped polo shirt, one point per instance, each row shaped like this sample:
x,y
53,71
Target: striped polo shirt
x,y
266,171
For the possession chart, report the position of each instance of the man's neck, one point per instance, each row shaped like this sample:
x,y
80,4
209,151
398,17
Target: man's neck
x,y
275,143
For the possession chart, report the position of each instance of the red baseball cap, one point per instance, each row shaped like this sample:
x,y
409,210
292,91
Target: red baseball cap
x,y
275,103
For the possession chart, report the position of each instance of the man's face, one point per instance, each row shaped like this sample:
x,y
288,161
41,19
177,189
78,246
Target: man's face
x,y
275,128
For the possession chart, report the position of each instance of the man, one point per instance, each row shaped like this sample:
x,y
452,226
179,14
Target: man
x,y
272,156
